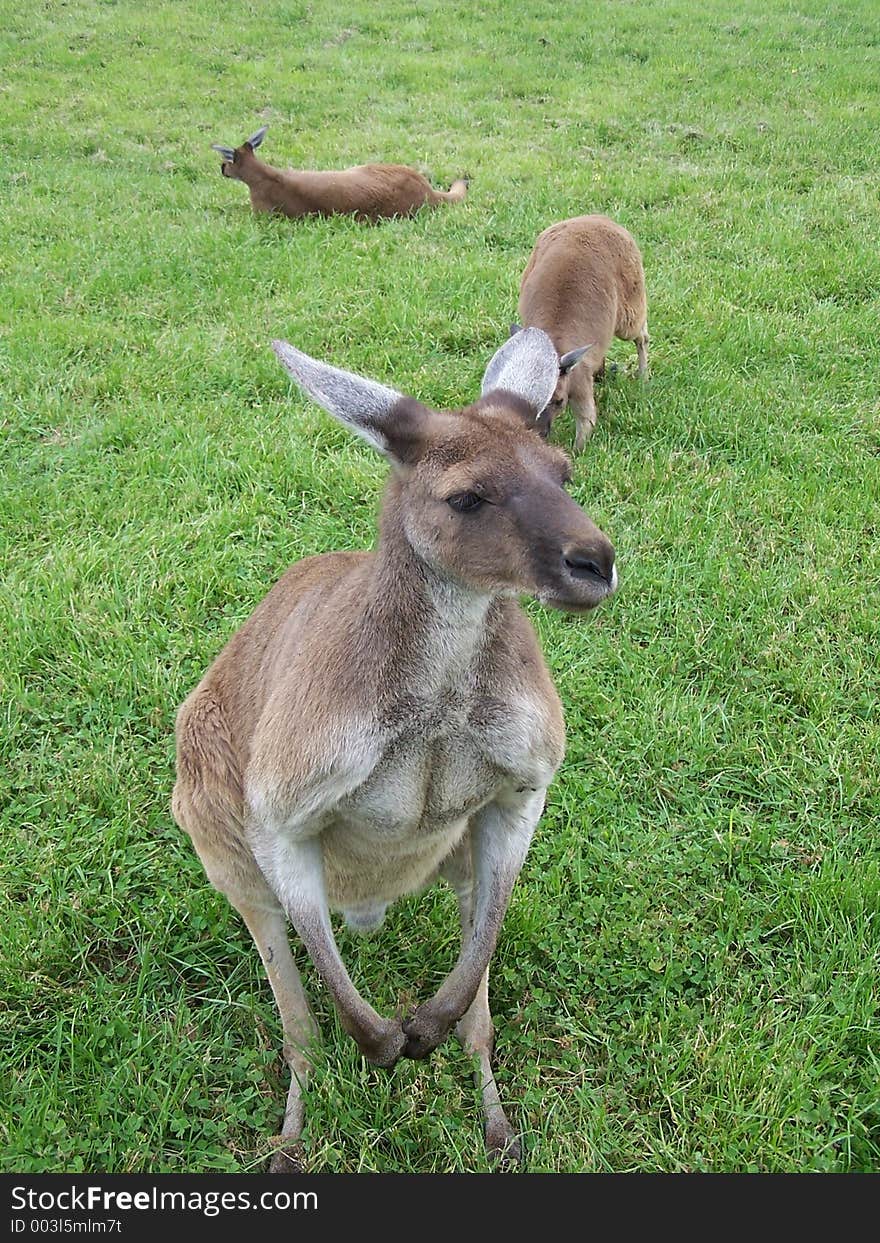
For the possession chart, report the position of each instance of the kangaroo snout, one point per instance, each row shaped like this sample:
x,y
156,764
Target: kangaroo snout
x,y
582,573
591,563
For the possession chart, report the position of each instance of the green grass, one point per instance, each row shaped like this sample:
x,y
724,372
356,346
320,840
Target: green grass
x,y
688,973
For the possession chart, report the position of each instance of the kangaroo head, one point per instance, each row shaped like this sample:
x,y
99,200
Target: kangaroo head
x,y
479,498
236,159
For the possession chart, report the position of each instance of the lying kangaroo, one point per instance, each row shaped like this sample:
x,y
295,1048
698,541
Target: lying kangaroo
x,y
384,719
369,191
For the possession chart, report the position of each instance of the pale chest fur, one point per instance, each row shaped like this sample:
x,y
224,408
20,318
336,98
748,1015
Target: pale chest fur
x,y
389,781
450,758
447,758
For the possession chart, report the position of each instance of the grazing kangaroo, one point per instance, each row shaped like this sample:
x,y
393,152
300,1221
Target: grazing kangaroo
x,y
385,719
584,282
369,191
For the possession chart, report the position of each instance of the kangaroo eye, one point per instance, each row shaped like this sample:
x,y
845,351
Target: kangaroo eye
x,y
464,502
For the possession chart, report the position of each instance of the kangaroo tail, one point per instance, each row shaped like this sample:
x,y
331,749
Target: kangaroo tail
x,y
456,192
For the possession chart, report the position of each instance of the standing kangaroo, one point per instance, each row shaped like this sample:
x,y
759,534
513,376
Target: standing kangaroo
x,y
584,282
384,719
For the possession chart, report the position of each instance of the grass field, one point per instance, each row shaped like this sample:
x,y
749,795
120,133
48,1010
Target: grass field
x,y
688,973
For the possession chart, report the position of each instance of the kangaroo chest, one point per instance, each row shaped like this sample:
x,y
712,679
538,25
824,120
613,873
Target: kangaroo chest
x,y
443,759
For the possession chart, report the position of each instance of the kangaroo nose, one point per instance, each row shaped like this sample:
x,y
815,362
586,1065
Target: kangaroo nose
x,y
586,563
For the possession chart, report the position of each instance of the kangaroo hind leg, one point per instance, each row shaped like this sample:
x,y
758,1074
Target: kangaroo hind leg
x,y
207,804
642,351
475,1029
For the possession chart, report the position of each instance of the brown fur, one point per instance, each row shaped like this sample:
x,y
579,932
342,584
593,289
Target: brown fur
x,y
369,191
385,718
584,285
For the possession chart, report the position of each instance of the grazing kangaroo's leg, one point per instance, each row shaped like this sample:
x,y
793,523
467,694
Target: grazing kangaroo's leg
x,y
500,836
583,406
295,870
642,350
269,930
475,1029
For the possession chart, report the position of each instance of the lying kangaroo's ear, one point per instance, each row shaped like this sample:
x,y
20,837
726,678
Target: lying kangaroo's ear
x,y
514,329
254,141
573,357
226,152
393,424
526,365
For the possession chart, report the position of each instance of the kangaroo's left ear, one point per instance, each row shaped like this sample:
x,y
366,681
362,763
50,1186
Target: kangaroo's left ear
x,y
527,365
573,357
255,139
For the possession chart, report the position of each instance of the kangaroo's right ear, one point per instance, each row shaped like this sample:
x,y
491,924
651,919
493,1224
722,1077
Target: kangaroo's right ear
x,y
393,424
226,152
255,139
514,329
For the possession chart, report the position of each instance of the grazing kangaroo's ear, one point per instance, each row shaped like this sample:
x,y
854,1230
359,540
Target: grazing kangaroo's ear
x,y
573,357
254,141
527,364
226,152
391,423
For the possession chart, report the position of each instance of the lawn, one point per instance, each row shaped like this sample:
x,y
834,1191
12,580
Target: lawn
x,y
688,974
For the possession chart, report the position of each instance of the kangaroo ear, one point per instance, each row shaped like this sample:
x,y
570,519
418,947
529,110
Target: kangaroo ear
x,y
391,423
254,141
514,329
573,357
527,364
226,152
